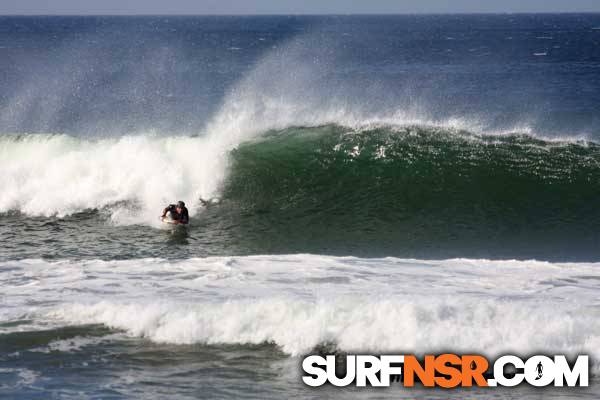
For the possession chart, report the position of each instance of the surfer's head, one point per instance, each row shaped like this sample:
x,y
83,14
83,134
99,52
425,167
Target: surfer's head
x,y
180,204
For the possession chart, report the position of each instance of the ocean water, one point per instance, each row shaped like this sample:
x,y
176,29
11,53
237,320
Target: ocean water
x,y
377,184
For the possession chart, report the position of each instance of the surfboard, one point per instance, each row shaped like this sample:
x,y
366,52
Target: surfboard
x,y
167,220
170,225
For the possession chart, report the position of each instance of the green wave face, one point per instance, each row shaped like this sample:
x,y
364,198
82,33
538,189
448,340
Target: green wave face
x,y
416,191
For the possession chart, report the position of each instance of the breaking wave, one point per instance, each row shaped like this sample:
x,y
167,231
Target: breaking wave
x,y
301,302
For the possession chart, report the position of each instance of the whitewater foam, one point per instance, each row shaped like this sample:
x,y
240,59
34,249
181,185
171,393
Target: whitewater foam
x,y
58,174
299,302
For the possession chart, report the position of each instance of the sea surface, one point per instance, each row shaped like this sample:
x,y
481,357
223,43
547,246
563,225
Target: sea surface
x,y
374,184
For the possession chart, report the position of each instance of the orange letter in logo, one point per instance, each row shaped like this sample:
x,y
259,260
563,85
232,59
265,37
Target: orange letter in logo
x,y
452,375
473,368
412,367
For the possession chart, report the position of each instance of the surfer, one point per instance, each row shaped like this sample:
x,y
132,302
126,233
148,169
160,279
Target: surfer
x,y
177,213
539,369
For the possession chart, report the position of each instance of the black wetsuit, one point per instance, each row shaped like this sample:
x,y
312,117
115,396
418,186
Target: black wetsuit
x,y
184,216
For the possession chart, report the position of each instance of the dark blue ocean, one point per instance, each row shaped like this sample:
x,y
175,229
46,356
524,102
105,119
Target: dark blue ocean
x,y
369,184
105,75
